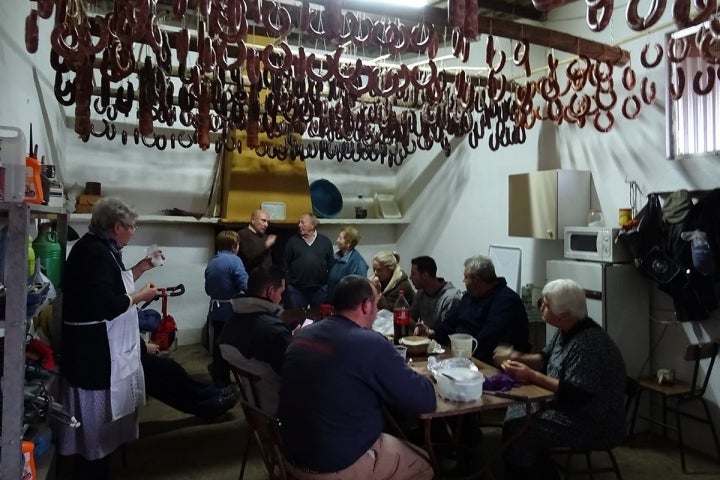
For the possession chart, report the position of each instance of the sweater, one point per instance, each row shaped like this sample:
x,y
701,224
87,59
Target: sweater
x,y
252,249
336,378
498,317
307,266
225,276
93,292
434,309
351,263
255,339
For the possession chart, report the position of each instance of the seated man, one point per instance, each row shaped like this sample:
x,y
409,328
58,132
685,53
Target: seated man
x,y
337,376
585,370
169,382
255,339
435,297
490,311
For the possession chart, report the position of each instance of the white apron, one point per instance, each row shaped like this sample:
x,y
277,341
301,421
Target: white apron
x,y
127,381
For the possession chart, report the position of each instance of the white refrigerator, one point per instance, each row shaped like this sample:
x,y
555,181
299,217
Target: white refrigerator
x,y
617,299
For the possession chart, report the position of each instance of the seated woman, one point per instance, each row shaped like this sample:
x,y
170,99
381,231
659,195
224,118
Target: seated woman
x,y
585,370
389,279
169,382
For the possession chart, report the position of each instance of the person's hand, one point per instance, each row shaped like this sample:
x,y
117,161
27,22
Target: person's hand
x,y
152,348
270,240
147,293
517,370
376,281
504,352
423,330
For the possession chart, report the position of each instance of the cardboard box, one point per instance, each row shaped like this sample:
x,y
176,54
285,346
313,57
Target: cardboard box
x,y
86,202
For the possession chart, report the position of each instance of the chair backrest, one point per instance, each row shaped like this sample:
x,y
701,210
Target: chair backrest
x,y
244,377
696,353
266,431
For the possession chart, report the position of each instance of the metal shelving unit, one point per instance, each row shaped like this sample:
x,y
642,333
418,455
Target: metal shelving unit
x,y
13,376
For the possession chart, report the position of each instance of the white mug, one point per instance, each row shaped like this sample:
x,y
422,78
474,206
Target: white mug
x,y
463,345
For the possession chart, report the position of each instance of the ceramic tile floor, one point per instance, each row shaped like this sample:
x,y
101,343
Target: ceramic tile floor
x,y
175,446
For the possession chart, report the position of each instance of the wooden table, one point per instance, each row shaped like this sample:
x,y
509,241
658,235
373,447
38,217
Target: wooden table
x,y
524,395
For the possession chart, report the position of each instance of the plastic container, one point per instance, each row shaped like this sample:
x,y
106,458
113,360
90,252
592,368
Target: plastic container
x,y
33,181
12,160
460,384
401,318
49,251
29,472
326,199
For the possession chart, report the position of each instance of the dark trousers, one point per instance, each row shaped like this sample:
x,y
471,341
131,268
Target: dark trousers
x,y
301,297
219,368
169,382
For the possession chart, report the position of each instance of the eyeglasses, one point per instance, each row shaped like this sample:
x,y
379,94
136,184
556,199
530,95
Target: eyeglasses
x,y
132,228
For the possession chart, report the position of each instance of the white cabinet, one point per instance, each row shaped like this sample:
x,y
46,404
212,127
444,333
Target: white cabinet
x,y
541,204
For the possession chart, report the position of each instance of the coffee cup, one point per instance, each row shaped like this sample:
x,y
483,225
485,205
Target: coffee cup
x,y
402,351
463,345
155,254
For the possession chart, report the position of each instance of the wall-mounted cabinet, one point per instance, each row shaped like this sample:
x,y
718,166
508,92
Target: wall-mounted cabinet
x,y
541,204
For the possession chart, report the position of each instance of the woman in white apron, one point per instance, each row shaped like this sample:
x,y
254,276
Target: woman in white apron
x,y
102,380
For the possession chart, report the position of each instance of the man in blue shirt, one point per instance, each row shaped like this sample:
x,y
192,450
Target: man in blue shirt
x,y
225,279
337,375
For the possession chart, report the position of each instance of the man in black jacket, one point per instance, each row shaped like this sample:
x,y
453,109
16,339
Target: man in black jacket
x,y
255,338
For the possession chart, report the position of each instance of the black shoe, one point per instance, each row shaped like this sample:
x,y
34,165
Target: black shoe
x,y
229,400
230,390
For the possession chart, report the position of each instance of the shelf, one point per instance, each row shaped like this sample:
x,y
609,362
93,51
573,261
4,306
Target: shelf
x,y
329,221
364,221
148,219
44,209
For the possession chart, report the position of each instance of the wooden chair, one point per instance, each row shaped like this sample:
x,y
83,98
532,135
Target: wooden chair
x,y
567,468
266,431
681,393
246,381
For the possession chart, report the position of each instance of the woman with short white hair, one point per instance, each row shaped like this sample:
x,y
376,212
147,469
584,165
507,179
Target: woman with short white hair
x,y
583,367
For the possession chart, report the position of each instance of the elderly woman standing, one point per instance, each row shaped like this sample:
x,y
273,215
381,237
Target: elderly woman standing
x,y
585,370
389,279
102,380
348,261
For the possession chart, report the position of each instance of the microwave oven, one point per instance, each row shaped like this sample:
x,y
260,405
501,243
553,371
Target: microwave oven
x,y
595,244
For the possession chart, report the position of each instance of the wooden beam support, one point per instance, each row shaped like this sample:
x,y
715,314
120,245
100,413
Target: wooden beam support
x,y
554,39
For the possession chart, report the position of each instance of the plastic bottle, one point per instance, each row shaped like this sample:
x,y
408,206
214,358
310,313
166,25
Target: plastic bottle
x,y
401,318
49,251
31,258
33,181
29,472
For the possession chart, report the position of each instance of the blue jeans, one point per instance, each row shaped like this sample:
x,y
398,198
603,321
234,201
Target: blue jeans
x,y
301,297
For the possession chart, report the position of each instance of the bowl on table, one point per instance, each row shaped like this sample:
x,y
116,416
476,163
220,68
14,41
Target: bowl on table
x,y
416,345
459,383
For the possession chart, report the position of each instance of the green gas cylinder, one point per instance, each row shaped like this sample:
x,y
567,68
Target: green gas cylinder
x,y
49,251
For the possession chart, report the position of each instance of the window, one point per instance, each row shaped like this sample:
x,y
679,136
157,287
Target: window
x,y
693,110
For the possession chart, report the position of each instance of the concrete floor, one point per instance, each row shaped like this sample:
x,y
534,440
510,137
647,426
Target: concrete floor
x,y
175,446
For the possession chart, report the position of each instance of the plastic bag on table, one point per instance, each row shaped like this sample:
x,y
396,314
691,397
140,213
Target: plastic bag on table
x,y
384,322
